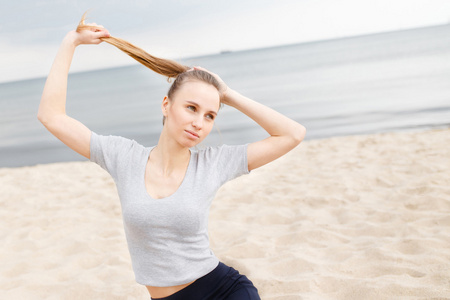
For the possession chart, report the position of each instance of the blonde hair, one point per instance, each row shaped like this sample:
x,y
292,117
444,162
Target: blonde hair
x,y
162,66
165,67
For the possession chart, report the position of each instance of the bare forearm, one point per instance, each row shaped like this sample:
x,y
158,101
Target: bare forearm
x,y
53,99
270,120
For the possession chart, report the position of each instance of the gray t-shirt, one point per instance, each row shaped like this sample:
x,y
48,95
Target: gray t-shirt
x,y
168,238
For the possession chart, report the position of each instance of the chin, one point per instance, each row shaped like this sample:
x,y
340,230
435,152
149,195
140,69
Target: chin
x,y
190,143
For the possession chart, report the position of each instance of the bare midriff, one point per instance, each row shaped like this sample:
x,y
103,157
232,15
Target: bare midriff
x,y
161,292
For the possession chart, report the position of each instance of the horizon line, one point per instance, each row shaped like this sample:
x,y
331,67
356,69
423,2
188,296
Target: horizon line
x,y
230,51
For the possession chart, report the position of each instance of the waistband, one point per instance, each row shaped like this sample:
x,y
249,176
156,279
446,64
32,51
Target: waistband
x,y
209,279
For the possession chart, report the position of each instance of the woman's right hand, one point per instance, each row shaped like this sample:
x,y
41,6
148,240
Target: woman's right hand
x,y
90,34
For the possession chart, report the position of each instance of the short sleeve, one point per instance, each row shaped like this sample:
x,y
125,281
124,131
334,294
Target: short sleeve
x,y
109,151
229,162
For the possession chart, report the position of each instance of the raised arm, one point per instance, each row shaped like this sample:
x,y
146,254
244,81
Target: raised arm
x,y
52,109
285,134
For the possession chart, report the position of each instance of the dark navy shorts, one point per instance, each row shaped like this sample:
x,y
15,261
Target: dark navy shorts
x,y
222,283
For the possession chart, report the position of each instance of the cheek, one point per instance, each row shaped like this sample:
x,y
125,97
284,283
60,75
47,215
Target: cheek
x,y
177,116
209,126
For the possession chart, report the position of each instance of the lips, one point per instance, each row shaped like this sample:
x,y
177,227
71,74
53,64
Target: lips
x,y
192,134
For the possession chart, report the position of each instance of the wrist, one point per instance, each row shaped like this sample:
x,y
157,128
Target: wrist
x,y
228,96
71,39
224,91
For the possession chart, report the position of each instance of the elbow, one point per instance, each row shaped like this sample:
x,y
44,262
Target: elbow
x,y
298,134
46,115
42,117
47,119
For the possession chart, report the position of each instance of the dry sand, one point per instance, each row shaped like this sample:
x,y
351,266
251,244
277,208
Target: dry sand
x,y
361,217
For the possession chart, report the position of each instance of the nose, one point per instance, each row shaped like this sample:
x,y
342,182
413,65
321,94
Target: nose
x,y
197,123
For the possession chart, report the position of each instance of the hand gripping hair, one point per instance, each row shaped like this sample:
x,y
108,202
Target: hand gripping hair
x,y
162,66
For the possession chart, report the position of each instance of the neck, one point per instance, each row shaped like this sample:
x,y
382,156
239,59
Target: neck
x,y
169,156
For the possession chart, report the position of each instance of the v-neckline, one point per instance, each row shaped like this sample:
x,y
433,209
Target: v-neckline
x,y
147,157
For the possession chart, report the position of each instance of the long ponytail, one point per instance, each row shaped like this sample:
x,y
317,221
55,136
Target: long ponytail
x,y
165,67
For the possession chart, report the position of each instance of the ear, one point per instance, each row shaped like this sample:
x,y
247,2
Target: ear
x,y
165,105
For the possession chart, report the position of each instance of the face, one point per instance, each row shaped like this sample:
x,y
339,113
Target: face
x,y
191,112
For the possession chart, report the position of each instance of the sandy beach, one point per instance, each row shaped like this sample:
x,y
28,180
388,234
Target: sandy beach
x,y
357,217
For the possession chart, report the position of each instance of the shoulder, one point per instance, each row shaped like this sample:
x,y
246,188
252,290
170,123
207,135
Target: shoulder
x,y
223,163
113,141
224,157
109,151
222,151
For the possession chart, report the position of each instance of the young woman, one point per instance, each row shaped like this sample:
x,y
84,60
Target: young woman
x,y
166,190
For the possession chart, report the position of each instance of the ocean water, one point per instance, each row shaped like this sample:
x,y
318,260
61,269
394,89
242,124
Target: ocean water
x,y
369,84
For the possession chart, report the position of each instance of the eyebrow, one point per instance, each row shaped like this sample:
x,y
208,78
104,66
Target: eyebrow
x,y
196,104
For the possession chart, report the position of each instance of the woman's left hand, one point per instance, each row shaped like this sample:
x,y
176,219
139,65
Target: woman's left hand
x,y
223,87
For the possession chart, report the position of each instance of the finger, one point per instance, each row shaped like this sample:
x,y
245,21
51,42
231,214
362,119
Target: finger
x,y
202,69
101,33
99,27
95,28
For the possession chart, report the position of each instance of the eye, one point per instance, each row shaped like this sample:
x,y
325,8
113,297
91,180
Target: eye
x,y
191,107
210,116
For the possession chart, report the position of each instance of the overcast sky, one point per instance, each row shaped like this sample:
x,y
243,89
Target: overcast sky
x,y
31,31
